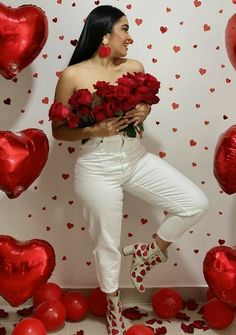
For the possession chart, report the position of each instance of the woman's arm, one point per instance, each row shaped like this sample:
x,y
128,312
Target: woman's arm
x,y
64,89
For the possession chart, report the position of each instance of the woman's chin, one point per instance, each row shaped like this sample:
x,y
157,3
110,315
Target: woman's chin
x,y
123,54
120,54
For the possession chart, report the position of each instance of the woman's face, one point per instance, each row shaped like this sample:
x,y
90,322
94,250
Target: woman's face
x,y
120,38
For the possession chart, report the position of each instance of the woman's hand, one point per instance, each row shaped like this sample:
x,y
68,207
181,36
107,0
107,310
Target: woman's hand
x,y
138,114
109,127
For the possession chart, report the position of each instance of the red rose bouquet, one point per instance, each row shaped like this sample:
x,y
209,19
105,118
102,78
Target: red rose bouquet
x,y
108,101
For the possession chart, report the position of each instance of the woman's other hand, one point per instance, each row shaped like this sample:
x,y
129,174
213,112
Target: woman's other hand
x,y
138,114
109,127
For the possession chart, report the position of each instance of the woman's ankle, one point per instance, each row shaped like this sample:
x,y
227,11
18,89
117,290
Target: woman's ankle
x,y
162,244
113,294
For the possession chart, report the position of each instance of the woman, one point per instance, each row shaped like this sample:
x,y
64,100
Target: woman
x,y
110,162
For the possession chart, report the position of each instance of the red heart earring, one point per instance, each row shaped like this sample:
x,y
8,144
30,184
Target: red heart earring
x,y
104,50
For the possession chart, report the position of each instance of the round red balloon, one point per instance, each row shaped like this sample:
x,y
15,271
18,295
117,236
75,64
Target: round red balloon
x,y
24,267
224,166
29,326
219,268
76,305
23,155
166,302
23,33
230,40
98,302
47,292
52,314
139,330
217,314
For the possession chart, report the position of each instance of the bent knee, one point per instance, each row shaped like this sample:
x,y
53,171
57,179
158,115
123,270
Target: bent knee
x,y
201,205
204,203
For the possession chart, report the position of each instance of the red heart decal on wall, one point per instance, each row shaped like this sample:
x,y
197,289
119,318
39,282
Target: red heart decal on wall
x,y
230,40
22,158
24,267
225,160
219,268
23,33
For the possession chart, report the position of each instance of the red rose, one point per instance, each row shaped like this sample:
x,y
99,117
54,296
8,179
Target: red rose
x,y
83,110
99,113
108,109
116,105
151,99
73,120
110,93
147,80
121,92
142,90
104,89
127,80
130,103
140,78
58,112
152,83
80,97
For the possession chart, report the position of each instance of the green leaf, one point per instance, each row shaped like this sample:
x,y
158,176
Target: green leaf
x,y
120,113
130,131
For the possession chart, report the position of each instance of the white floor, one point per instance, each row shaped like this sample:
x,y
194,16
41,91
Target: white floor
x,y
96,326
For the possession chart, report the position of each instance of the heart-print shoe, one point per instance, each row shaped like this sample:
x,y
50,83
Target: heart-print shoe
x,y
145,257
115,322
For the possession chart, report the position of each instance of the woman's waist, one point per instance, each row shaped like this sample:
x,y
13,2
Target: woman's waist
x,y
112,145
121,137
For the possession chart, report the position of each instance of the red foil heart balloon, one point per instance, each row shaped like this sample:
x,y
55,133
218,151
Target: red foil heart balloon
x,y
22,158
23,33
219,268
24,267
224,167
230,40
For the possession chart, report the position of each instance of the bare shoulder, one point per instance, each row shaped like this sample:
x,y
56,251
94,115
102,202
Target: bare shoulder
x,y
70,76
134,65
77,74
66,84
70,72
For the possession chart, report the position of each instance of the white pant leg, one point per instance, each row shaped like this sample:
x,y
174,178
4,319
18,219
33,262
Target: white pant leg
x,y
101,196
160,184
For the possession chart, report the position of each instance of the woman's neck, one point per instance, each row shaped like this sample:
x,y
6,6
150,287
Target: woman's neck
x,y
107,63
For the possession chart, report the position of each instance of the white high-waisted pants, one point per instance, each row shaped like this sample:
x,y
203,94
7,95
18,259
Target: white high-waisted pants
x,y
106,167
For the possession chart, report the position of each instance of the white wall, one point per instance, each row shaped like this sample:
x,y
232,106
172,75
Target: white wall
x,y
36,215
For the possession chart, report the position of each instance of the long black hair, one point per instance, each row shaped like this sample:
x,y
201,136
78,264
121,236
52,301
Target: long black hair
x,y
99,22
